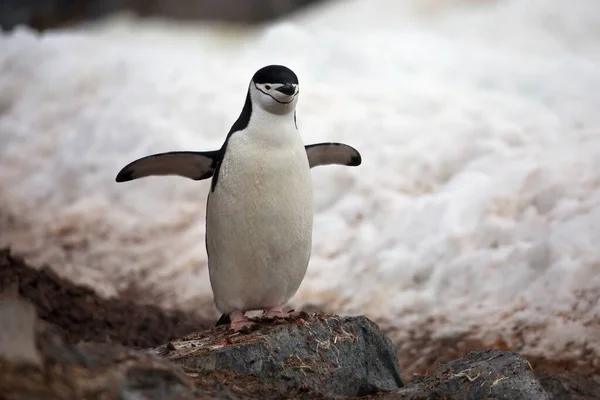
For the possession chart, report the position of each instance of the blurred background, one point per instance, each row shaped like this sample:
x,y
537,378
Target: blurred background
x,y
473,221
47,14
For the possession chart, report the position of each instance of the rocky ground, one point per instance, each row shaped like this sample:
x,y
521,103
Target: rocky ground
x,y
62,341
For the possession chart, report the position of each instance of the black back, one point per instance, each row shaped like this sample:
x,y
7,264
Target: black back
x,y
239,125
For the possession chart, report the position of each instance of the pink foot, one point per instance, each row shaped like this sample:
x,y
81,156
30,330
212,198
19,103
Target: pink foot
x,y
239,321
277,312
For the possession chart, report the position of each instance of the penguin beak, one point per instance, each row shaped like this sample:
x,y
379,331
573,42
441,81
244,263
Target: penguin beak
x,y
287,89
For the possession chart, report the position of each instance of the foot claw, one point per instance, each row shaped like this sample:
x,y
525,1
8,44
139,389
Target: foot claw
x,y
279,313
241,326
239,322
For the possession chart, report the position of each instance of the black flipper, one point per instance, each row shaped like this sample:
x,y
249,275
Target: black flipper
x,y
224,320
332,153
189,164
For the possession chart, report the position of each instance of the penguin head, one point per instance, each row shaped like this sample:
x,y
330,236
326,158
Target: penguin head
x,y
275,89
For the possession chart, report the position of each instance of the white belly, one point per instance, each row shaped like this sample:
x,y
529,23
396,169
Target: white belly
x,y
259,224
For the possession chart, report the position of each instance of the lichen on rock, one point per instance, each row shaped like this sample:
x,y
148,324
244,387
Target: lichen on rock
x,y
327,354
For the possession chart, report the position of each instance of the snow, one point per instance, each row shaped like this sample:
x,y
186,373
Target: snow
x,y
477,205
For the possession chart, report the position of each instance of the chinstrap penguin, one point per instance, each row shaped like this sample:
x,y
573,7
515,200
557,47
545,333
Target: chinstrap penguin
x,y
259,214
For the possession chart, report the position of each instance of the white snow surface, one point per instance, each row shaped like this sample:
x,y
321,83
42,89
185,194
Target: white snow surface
x,y
477,205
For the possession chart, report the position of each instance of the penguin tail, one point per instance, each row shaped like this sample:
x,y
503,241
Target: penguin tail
x,y
224,320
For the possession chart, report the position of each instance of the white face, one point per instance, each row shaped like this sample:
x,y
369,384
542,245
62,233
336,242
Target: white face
x,y
275,98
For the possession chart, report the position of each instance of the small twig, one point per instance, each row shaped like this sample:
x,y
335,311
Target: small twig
x,y
497,381
465,375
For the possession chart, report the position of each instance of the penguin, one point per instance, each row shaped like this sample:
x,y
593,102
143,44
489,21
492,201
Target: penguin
x,y
259,211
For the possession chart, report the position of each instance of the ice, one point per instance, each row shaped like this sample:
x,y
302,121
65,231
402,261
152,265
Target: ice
x,y
477,204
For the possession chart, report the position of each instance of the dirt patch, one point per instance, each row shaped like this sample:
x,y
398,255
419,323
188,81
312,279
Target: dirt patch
x,y
81,315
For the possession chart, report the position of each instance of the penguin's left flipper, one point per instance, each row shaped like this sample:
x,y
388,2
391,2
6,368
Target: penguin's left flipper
x,y
189,164
332,153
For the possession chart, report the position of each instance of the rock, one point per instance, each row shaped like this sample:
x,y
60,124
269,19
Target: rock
x,y
330,355
53,369
17,336
481,374
570,385
112,371
70,314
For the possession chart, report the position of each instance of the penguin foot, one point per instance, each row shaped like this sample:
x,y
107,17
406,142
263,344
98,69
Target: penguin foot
x,y
277,312
239,322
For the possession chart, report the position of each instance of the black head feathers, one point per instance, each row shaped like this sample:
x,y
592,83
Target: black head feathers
x,y
275,74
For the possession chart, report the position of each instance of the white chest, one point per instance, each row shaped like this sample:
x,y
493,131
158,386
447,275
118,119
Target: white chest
x,y
259,220
264,184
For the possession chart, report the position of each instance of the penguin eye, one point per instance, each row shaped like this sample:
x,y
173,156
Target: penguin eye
x,y
268,87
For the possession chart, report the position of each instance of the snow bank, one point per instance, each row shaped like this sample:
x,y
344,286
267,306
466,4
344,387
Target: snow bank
x,y
477,205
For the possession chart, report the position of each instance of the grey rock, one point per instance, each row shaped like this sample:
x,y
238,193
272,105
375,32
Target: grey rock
x,y
481,374
570,385
329,355
17,336
51,369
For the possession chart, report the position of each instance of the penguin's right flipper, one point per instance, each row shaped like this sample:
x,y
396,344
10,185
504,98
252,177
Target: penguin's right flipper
x,y
189,164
